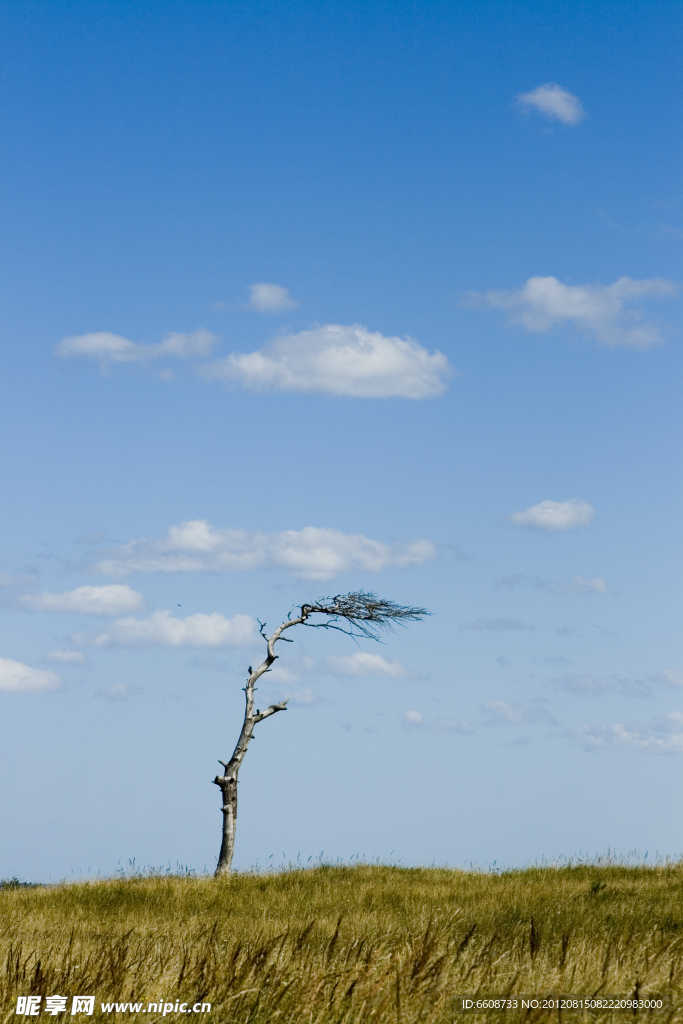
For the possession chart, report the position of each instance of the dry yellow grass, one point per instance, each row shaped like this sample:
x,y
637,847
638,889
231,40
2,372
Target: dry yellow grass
x,y
340,945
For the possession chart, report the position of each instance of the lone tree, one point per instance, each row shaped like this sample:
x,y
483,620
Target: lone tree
x,y
357,615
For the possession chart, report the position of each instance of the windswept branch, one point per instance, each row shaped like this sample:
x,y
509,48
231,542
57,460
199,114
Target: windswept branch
x,y
366,613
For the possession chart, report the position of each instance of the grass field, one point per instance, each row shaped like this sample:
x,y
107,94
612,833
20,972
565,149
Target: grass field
x,y
336,945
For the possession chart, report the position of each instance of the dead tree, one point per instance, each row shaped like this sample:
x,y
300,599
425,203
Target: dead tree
x,y
359,615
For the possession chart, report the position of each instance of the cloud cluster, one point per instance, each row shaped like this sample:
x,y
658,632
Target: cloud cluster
x,y
162,629
555,516
333,359
113,599
106,348
312,553
664,735
554,102
337,360
16,677
270,298
575,585
597,310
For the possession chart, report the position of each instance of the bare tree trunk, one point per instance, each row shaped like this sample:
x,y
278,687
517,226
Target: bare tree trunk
x,y
228,781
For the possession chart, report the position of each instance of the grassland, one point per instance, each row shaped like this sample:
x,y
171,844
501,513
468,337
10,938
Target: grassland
x,y
345,945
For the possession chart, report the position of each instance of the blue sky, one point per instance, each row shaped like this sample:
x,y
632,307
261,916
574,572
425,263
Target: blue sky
x,y
304,299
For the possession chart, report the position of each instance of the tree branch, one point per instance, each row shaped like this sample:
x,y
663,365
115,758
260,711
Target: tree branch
x,y
260,715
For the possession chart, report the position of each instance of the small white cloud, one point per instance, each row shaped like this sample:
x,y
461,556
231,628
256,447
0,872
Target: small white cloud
x,y
109,600
575,585
282,674
119,692
585,684
671,677
578,585
555,516
21,579
416,720
459,725
597,310
163,630
15,677
106,348
555,102
499,712
337,360
312,553
502,711
304,698
663,735
66,657
364,663
495,625
270,298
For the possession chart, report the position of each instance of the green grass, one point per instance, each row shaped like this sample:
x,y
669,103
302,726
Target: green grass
x,y
340,945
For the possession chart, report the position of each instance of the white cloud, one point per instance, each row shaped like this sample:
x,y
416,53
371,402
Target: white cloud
x,y
555,102
21,579
15,677
496,625
555,515
109,600
304,698
500,712
337,360
163,630
67,657
416,720
578,585
119,692
598,310
670,677
364,663
575,585
584,684
270,298
459,725
312,553
291,669
663,735
106,348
